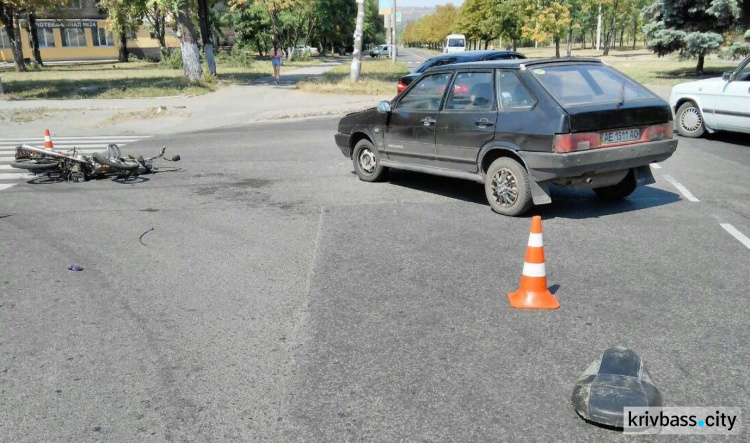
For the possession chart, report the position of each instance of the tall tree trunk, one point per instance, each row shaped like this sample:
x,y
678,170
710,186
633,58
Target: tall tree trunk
x,y
34,38
204,18
635,28
569,48
612,29
1,86
356,67
122,34
486,43
699,68
16,43
258,46
583,39
622,34
557,46
8,19
191,61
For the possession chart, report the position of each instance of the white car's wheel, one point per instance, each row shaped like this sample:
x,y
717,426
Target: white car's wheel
x,y
690,120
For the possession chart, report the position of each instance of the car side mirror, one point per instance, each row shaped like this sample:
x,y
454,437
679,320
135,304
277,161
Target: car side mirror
x,y
727,76
384,107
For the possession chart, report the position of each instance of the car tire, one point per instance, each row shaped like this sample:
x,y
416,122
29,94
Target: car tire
x,y
366,160
620,190
690,120
507,187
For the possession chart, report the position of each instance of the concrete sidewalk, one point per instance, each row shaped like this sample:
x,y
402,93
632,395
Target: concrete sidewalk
x,y
231,105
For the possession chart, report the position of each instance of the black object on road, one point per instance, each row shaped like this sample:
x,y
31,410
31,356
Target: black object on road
x,y
74,268
616,380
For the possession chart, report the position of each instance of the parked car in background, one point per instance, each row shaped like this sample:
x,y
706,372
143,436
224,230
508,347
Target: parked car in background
x,y
713,104
304,50
379,50
455,43
517,126
461,57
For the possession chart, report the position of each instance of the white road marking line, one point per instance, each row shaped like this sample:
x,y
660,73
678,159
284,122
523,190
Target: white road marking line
x,y
655,166
21,175
68,138
6,167
4,186
59,146
736,234
7,159
81,151
688,195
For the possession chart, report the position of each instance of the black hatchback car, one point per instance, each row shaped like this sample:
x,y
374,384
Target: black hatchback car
x,y
456,57
517,126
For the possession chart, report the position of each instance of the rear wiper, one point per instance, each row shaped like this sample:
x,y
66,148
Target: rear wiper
x,y
622,93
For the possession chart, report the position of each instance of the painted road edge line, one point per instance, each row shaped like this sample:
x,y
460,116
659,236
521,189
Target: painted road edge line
x,y
655,166
4,186
688,195
736,234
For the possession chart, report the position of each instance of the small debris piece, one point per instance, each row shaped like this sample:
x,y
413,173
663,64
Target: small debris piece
x,y
140,239
74,268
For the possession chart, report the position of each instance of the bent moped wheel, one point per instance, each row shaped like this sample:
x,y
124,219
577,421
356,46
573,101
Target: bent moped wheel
x,y
36,164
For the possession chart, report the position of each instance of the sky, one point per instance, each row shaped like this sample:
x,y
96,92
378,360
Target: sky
x,y
407,3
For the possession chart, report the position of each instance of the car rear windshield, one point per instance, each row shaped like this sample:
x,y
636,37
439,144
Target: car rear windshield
x,y
573,85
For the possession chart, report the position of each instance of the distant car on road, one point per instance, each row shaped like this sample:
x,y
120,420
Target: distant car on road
x,y
713,104
460,57
517,126
379,50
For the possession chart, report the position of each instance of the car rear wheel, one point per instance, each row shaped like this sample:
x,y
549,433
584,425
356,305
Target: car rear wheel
x,y
620,190
690,120
366,161
507,187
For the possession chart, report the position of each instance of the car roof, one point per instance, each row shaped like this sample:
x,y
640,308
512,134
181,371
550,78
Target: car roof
x,y
517,63
471,55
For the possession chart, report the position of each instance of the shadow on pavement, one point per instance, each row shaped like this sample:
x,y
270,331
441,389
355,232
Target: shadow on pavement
x,y
566,203
734,138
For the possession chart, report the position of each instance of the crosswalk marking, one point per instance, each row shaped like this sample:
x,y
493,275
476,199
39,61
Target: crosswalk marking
x,y
84,145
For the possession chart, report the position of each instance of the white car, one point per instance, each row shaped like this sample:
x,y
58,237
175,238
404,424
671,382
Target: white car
x,y
713,104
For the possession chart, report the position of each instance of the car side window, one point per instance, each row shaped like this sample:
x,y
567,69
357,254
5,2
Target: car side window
x,y
744,75
511,93
427,94
471,91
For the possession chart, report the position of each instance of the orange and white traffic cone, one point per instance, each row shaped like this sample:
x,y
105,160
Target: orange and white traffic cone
x,y
48,140
533,293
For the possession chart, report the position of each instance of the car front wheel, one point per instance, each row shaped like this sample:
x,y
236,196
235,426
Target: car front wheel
x,y
507,187
690,120
366,160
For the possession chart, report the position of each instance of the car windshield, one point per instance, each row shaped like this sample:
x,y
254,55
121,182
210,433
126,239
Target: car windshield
x,y
456,43
573,85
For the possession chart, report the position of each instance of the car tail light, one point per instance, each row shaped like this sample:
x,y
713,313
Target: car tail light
x,y
401,86
660,132
575,142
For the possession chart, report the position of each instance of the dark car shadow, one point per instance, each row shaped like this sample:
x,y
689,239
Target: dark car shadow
x,y
734,138
566,203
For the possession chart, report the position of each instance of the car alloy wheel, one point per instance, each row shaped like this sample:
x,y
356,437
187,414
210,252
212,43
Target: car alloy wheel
x,y
367,161
691,119
505,187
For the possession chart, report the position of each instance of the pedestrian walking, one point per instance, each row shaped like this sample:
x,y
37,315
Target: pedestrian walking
x,y
277,59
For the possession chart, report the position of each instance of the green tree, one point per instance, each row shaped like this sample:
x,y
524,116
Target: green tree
x,y
547,19
694,27
508,21
123,17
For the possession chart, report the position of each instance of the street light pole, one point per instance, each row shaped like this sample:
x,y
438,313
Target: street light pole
x,y
394,50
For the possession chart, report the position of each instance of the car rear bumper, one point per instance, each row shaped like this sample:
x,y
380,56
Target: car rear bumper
x,y
549,166
342,141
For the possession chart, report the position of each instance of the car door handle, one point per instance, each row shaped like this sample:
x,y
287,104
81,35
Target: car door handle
x,y
483,123
428,121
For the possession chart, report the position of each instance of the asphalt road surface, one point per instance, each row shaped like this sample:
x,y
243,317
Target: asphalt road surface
x,y
279,298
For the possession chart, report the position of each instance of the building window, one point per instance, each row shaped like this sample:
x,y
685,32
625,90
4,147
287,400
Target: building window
x,y
73,37
103,38
4,40
45,37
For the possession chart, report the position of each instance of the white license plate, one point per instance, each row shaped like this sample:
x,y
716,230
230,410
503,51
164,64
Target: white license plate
x,y
627,135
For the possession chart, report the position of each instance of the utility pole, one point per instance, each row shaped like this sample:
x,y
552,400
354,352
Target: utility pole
x,y
599,29
394,50
357,56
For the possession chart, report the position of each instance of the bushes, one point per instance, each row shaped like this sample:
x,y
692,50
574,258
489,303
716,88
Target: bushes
x,y
237,57
171,58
